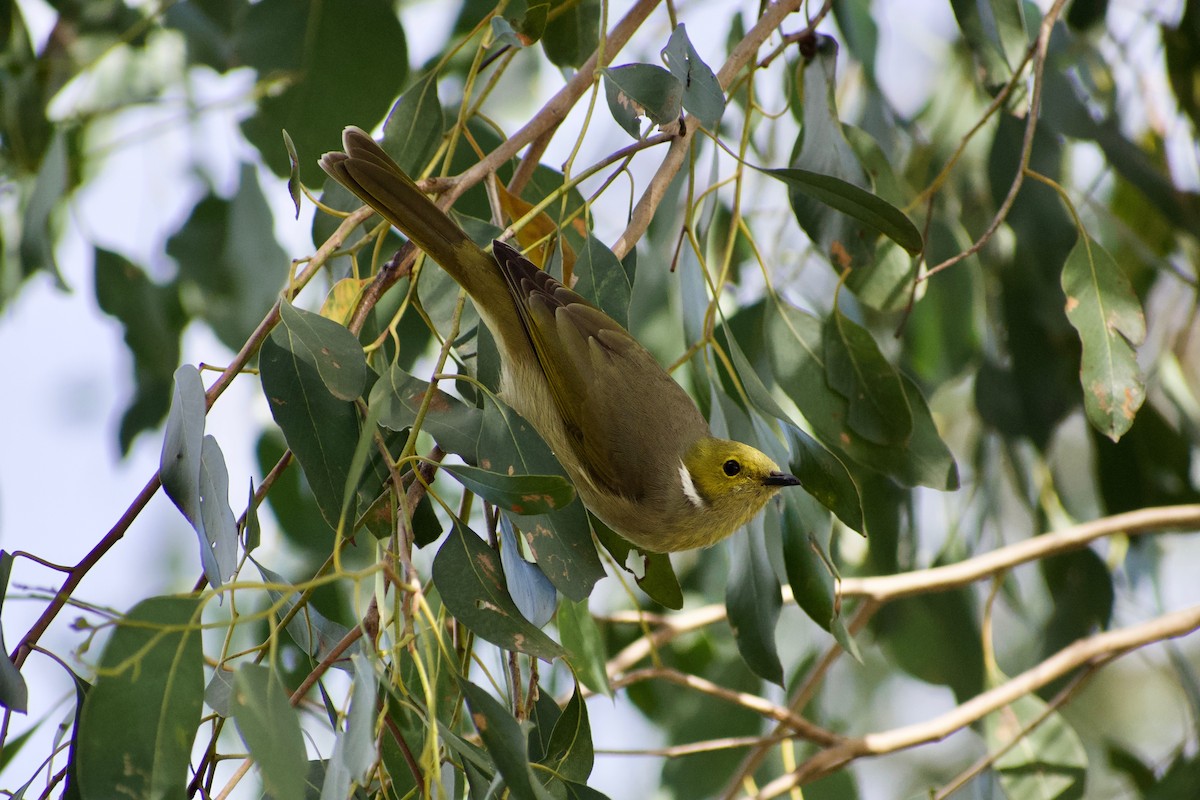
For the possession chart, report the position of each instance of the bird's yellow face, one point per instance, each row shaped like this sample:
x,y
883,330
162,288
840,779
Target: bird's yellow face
x,y
726,483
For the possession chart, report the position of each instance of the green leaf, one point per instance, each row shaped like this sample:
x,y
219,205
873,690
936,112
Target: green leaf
x,y
295,188
354,752
414,128
49,189
569,753
754,600
561,540
1103,308
271,730
796,352
525,495
230,263
854,201
994,31
584,645
1048,762
153,320
321,430
504,740
855,369
702,94
572,32
328,347
14,693
653,571
313,632
603,280
253,530
140,717
469,579
825,477
326,65
454,425
804,531
642,90
827,186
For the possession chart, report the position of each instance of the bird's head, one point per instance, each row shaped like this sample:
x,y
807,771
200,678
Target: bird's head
x,y
726,483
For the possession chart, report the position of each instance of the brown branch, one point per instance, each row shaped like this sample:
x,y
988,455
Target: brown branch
x,y
743,53
1082,653
883,588
786,718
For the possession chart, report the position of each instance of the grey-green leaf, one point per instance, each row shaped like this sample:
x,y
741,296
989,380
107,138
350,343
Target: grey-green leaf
x,y
140,717
271,730
218,531
505,741
642,90
529,587
1103,308
864,206
569,751
329,347
179,462
561,539
452,423
702,94
753,599
414,127
321,430
857,370
354,750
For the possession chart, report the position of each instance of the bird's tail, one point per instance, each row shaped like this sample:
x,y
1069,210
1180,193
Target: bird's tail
x,y
370,173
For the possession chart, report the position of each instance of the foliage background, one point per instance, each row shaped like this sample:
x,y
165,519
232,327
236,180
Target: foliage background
x,y
997,364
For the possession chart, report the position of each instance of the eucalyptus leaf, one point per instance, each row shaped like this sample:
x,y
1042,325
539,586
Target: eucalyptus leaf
x,y
753,599
569,752
560,539
857,370
505,741
328,347
14,693
1103,308
470,580
414,128
321,430
271,730
140,717
1049,761
454,425
525,495
702,93
653,571
584,644
642,90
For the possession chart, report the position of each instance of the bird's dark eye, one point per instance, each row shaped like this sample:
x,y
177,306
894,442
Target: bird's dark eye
x,y
731,467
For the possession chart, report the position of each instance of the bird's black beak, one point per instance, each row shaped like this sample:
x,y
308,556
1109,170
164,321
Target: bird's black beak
x,y
781,479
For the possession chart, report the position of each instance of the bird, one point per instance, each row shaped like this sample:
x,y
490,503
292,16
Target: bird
x,y
640,454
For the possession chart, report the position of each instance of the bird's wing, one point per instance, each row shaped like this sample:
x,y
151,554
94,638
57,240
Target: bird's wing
x,y
609,390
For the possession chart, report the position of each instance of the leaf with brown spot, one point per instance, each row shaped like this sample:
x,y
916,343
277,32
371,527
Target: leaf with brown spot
x,y
469,579
1103,308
